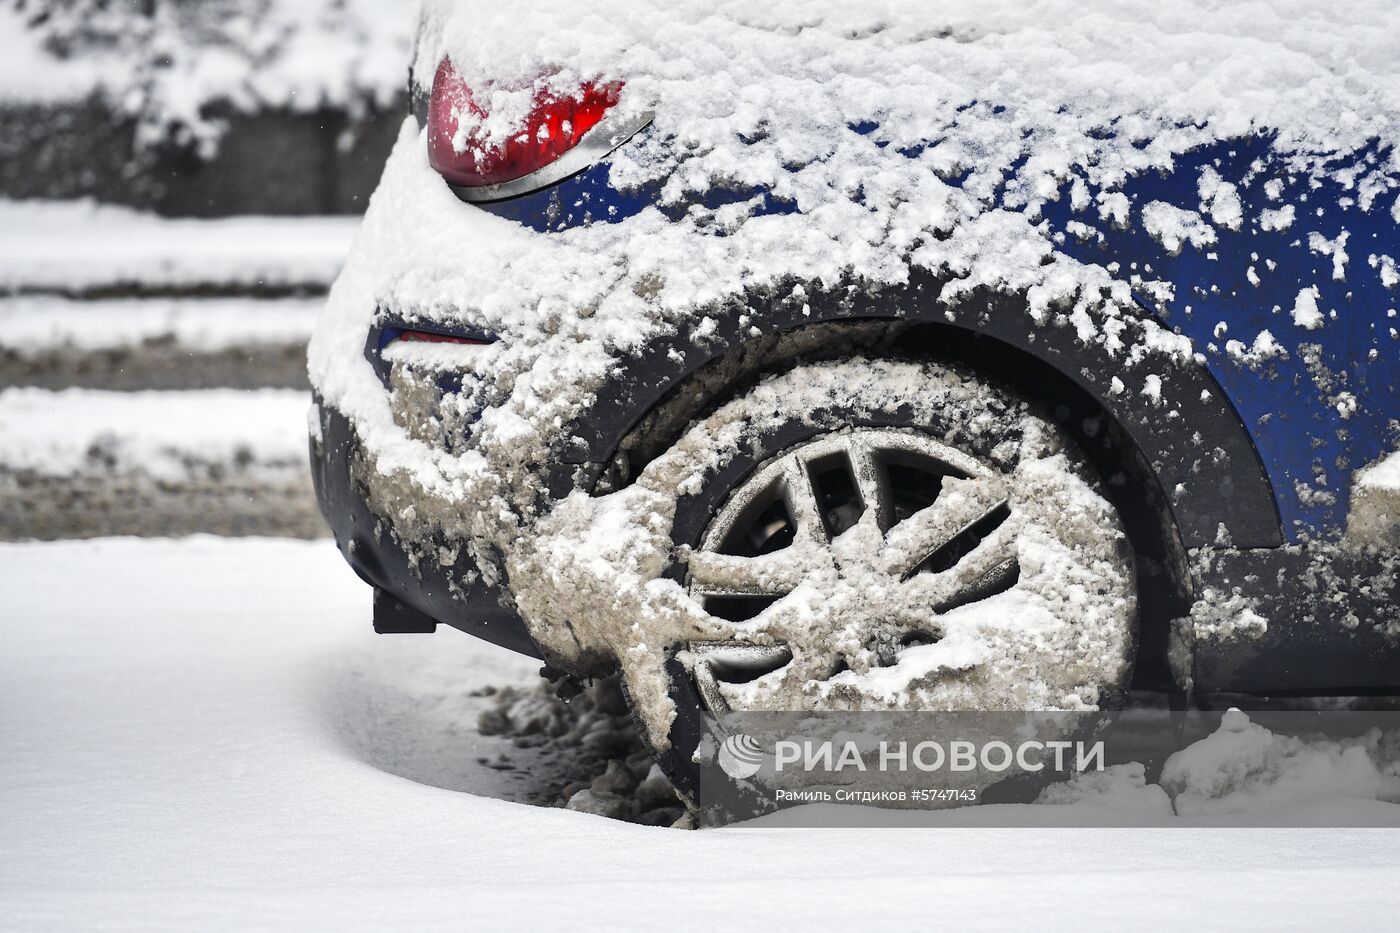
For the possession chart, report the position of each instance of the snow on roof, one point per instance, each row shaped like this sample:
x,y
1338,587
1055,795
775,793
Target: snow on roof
x,y
1057,74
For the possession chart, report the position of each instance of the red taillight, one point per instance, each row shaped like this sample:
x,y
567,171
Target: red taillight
x,y
459,150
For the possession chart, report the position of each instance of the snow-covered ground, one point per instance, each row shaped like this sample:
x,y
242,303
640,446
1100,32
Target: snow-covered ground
x,y
31,326
155,343
75,247
79,462
106,297
186,306
205,733
159,433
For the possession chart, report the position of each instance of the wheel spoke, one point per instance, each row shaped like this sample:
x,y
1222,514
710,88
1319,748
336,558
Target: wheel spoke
x,y
800,496
999,578
988,569
872,481
961,505
713,574
713,663
793,679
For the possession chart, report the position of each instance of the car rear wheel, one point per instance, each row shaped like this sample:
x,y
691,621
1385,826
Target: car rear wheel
x,y
904,537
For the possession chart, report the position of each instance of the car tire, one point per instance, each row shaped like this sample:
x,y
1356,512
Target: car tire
x,y
958,478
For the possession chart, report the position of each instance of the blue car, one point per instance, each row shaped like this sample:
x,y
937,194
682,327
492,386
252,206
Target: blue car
x,y
814,359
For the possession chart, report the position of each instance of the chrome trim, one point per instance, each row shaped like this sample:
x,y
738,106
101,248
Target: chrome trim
x,y
599,142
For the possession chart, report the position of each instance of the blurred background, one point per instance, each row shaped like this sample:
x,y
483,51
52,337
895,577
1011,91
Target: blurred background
x,y
202,107
179,183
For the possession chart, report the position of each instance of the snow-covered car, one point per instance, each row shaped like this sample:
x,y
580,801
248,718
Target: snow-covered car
x,y
895,356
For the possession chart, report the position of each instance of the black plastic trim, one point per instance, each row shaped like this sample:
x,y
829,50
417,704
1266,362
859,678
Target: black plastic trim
x,y
1218,479
1331,613
392,617
421,585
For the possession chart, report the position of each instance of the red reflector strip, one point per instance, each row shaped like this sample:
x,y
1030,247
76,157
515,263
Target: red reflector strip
x,y
427,336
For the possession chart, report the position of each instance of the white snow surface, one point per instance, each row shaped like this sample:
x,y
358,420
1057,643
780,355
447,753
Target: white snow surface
x,y
72,246
1245,767
1383,474
167,67
205,733
34,324
1173,227
62,433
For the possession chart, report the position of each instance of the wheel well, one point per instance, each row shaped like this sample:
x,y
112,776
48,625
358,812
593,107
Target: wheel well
x,y
1127,479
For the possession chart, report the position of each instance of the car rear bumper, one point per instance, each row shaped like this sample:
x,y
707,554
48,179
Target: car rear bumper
x,y
410,593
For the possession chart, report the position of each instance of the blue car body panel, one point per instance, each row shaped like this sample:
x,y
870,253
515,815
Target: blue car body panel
x,y
1291,405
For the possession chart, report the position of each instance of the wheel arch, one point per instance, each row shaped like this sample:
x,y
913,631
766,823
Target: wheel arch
x,y
1186,430
1176,480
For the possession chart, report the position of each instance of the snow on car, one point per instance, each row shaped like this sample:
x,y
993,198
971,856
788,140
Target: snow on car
x,y
923,356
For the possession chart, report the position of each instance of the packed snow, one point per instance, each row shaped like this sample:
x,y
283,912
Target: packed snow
x,y
206,732
1375,513
33,325
72,247
1306,314
161,434
1265,347
1244,767
1172,227
1384,474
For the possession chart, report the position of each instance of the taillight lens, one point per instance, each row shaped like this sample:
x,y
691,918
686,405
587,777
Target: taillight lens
x,y
459,150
